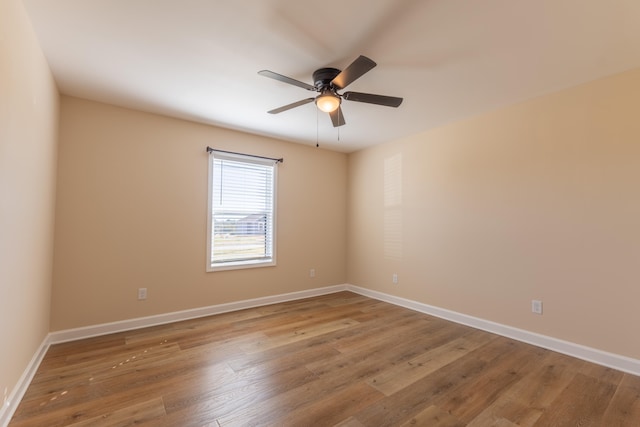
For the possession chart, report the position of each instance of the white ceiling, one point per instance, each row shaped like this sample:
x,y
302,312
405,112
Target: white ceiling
x,y
448,59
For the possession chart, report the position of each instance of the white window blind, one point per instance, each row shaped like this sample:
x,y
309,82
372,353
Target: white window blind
x,y
242,211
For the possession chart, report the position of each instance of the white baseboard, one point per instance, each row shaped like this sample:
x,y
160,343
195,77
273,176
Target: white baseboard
x,y
611,360
10,406
600,357
160,319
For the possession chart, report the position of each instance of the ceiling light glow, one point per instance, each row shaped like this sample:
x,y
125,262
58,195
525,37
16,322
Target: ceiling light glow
x,y
328,102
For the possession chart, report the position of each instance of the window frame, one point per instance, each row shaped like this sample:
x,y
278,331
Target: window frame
x,y
239,264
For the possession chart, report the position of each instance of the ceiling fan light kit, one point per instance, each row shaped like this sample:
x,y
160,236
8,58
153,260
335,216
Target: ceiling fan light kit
x,y
327,81
328,101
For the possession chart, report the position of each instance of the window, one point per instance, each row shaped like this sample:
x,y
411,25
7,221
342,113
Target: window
x,y
241,220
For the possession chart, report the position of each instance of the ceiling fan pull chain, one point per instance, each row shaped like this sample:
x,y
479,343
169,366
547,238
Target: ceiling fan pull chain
x,y
317,131
341,120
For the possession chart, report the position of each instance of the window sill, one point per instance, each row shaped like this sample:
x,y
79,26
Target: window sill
x,y
240,265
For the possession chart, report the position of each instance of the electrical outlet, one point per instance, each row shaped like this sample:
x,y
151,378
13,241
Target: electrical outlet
x,y
312,272
142,294
536,306
395,278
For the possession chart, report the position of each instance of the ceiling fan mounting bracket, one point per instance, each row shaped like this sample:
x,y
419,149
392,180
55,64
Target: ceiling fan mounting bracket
x,y
322,77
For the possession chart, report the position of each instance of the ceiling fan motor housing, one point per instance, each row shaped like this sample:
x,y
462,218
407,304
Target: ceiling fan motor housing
x,y
322,77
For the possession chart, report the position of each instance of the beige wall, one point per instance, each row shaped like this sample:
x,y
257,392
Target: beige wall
x,y
132,210
28,138
539,200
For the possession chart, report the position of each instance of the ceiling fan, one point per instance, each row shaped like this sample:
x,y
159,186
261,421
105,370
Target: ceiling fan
x,y
327,81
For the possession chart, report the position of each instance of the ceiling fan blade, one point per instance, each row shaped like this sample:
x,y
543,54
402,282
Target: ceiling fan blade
x,y
290,106
286,79
337,118
369,98
354,71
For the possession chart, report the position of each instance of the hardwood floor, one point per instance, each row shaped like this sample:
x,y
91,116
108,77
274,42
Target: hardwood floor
x,y
339,359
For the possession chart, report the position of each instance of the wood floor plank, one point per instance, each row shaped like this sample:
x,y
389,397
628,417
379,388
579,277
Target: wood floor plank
x,y
103,363
340,359
350,422
300,397
333,408
510,364
625,404
131,415
272,372
309,320
58,354
298,335
583,402
367,361
603,373
433,417
384,333
296,353
90,400
408,402
85,374
231,397
398,377
524,402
